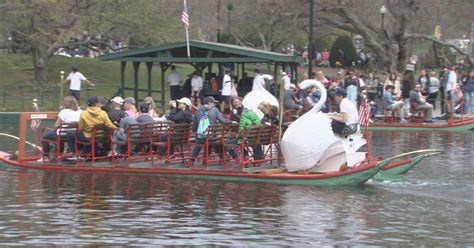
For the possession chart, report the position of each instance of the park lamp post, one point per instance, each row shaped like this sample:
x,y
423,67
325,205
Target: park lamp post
x,y
229,9
61,85
383,11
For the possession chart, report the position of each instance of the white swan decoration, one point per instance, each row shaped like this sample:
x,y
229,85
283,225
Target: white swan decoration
x,y
307,139
258,95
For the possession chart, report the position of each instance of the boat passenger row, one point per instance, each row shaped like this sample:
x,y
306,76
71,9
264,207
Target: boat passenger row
x,y
162,143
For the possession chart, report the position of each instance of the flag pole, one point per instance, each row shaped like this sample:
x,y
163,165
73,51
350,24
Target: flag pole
x,y
367,141
185,20
187,42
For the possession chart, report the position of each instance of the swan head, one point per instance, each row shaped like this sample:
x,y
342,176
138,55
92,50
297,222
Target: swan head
x,y
315,83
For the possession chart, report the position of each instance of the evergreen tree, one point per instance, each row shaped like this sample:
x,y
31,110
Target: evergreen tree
x,y
343,51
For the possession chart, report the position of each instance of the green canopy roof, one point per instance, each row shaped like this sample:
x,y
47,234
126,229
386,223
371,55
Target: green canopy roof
x,y
201,52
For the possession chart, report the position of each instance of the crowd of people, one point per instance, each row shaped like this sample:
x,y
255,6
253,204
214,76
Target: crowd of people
x,y
346,90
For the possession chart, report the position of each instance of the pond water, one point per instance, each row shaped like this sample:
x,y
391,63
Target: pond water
x,y
434,206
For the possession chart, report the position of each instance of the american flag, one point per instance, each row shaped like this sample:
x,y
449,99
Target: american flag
x,y
185,16
35,123
364,114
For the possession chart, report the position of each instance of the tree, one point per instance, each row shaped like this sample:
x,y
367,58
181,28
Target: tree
x,y
267,24
44,27
343,51
389,41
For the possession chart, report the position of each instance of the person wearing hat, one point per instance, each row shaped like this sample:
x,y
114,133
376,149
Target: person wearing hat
x,y
116,114
90,118
75,77
129,106
181,111
348,112
287,80
214,116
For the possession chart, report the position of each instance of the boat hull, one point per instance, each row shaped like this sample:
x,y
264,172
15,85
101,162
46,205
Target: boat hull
x,y
357,176
465,125
395,170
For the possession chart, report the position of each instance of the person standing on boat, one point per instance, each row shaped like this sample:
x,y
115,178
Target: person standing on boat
x,y
425,81
391,104
348,112
75,77
469,86
393,80
450,85
90,118
433,89
408,83
174,80
420,103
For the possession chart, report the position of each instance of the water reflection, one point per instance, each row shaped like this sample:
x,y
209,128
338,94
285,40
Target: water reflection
x,y
433,207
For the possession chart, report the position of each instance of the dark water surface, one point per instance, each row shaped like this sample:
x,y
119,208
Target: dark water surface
x,y
433,207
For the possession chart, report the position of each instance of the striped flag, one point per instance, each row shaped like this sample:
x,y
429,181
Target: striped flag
x,y
364,114
35,123
185,16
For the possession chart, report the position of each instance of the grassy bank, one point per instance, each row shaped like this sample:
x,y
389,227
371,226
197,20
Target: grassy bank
x,y
17,90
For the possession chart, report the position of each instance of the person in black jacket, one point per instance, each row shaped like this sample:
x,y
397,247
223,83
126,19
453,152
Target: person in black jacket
x,y
182,112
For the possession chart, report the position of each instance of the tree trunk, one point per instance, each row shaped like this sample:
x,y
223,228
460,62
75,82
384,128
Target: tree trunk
x,y
39,62
402,54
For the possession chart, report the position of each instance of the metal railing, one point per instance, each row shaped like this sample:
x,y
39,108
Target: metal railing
x,y
18,98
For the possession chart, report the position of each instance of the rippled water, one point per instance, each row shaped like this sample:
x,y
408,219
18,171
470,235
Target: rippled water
x,y
433,207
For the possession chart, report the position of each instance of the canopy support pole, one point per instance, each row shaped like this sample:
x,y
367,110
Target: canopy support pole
x,y
136,66
122,78
149,67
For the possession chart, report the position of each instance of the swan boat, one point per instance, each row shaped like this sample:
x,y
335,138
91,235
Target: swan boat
x,y
460,124
322,160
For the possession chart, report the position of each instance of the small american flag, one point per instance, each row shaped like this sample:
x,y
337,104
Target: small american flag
x,y
35,123
185,16
364,114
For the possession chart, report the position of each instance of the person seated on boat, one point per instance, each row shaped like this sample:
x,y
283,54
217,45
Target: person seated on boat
x,y
129,106
144,116
116,113
181,111
420,104
308,101
348,112
291,101
237,109
90,118
151,105
213,115
391,104
270,113
160,114
249,118
70,114
120,134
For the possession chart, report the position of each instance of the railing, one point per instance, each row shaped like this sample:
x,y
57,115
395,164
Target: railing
x,y
18,98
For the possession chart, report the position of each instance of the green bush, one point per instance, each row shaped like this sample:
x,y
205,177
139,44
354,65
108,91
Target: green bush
x,y
343,43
